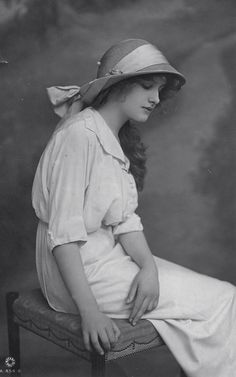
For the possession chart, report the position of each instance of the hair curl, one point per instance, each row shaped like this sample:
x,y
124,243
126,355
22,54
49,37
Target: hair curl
x,y
129,136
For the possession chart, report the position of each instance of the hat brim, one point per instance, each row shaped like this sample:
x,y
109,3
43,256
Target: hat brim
x,y
89,91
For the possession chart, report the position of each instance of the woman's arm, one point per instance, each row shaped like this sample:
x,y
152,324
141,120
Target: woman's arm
x,y
144,290
136,246
98,329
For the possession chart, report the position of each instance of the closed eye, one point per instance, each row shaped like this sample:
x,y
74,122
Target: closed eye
x,y
147,86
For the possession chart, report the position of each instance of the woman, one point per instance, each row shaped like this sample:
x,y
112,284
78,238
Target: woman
x,y
91,253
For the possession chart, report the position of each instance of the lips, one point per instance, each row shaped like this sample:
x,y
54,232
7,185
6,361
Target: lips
x,y
149,109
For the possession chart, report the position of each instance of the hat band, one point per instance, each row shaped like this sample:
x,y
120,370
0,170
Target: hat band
x,y
142,57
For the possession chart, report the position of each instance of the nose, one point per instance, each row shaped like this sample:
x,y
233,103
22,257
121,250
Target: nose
x,y
154,98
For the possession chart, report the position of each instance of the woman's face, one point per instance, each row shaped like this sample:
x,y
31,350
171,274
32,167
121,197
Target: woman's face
x,y
142,98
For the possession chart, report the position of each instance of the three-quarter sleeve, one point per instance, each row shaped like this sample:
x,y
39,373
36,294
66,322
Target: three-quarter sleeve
x,y
67,184
131,224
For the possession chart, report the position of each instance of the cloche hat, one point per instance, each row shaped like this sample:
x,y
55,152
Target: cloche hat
x,y
128,58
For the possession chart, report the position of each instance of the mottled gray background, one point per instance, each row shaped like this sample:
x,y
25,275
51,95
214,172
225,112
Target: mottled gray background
x,y
188,204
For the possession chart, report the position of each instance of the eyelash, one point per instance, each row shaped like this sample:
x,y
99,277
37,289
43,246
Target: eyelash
x,y
149,86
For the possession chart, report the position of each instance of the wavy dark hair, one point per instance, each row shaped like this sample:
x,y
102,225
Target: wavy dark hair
x,y
129,136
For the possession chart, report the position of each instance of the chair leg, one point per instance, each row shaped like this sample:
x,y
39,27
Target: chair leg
x,y
98,365
13,330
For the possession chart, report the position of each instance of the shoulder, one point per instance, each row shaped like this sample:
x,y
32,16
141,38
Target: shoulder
x,y
76,129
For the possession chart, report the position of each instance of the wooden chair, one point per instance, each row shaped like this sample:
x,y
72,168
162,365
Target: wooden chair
x,y
30,310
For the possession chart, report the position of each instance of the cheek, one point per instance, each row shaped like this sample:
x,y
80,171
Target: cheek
x,y
134,101
133,109
129,104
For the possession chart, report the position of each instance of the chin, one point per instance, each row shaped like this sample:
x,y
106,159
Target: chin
x,y
141,118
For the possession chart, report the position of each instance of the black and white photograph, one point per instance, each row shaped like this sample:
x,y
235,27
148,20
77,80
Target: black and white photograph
x,y
118,188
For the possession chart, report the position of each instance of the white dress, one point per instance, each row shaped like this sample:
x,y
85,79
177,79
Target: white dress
x,y
83,191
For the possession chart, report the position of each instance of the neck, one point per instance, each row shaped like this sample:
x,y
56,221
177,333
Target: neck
x,y
112,115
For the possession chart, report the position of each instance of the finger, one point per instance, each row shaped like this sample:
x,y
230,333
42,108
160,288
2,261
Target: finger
x,y
132,292
137,304
140,312
156,303
110,332
116,330
104,337
111,337
96,344
151,306
87,341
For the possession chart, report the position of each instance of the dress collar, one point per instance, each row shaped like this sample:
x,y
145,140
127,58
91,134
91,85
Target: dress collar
x,y
110,144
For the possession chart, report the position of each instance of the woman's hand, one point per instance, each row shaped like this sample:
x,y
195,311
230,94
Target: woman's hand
x,y
99,331
144,293
144,290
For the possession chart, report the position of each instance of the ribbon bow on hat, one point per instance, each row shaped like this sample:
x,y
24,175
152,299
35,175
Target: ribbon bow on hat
x,y
62,98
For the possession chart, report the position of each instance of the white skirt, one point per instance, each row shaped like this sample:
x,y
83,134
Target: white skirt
x,y
196,314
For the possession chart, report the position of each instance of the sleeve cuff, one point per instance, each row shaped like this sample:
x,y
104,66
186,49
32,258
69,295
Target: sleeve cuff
x,y
132,224
71,231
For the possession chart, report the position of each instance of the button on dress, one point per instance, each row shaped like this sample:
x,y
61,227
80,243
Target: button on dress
x,y
83,192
